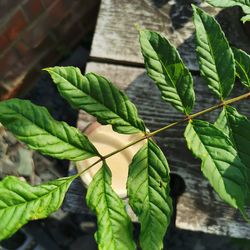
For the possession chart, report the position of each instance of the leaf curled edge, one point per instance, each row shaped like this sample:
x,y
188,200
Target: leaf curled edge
x,y
148,192
114,225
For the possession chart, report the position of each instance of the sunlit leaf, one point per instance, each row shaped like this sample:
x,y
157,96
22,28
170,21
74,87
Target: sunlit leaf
x,y
148,192
20,202
114,225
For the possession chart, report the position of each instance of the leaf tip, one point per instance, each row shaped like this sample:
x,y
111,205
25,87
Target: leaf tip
x,y
194,7
138,27
48,69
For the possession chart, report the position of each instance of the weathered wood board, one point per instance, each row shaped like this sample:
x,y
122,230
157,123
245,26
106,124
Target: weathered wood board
x,y
198,207
116,38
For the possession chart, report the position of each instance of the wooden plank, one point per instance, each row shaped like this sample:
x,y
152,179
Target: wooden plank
x,y
198,207
116,38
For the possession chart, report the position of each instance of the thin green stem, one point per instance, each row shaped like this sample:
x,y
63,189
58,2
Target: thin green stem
x,y
187,118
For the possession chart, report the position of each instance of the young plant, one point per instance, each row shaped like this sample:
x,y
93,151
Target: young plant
x,y
223,147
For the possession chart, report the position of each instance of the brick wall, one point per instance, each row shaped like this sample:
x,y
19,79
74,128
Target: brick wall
x,y
35,34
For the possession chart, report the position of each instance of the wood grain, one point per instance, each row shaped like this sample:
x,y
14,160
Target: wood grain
x,y
116,38
198,207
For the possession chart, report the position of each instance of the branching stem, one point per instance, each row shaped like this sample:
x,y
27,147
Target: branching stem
x,y
190,117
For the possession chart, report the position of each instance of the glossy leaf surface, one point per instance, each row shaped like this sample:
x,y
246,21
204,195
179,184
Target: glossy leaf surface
x,y
166,68
220,161
99,97
20,202
34,125
148,192
214,53
114,225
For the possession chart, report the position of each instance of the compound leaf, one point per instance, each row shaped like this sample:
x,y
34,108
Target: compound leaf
x,y
34,125
214,53
238,128
20,202
242,61
99,97
148,192
220,162
114,225
166,68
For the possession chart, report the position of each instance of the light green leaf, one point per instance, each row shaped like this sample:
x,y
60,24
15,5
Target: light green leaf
x,y
34,125
114,225
166,68
220,162
245,18
238,128
244,4
242,61
99,97
222,124
20,202
215,55
148,192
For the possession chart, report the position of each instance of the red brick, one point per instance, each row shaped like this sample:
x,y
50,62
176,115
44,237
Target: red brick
x,y
3,90
6,7
47,3
22,48
8,61
57,12
16,24
34,36
4,42
33,8
31,55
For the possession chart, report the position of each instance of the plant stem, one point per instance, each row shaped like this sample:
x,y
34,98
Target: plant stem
x,y
187,118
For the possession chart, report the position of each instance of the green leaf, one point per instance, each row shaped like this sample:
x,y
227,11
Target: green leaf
x,y
245,4
34,125
220,162
238,129
114,225
166,68
242,61
20,202
99,97
222,124
245,18
148,192
214,53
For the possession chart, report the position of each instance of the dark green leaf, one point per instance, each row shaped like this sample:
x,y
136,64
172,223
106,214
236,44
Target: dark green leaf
x,y
20,202
238,128
34,125
215,56
148,192
166,68
99,97
242,60
114,225
220,162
